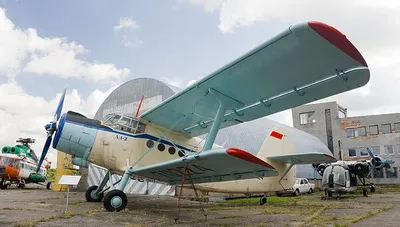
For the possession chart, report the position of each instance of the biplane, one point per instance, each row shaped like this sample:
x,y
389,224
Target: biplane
x,y
304,63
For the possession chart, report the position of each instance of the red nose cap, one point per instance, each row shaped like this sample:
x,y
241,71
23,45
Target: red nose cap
x,y
337,39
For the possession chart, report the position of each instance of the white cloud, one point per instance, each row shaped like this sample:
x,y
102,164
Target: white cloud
x,y
24,115
370,25
126,31
126,23
26,51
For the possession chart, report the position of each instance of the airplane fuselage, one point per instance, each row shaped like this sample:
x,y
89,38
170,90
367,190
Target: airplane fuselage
x,y
116,147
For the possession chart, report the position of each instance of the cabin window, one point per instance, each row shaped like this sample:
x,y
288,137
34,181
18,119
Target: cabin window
x,y
386,128
373,129
171,150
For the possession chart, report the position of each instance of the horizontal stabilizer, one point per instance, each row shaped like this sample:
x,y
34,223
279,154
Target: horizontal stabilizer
x,y
208,166
303,158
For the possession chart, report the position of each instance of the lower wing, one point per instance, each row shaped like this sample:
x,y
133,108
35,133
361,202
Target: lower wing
x,y
209,166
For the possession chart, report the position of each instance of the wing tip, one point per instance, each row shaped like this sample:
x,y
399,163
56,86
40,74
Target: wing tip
x,y
338,39
248,157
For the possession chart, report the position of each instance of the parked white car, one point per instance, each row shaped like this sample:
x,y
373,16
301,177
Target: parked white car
x,y
303,186
300,186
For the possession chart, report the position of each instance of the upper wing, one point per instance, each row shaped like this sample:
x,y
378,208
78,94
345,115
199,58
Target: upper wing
x,y
305,63
210,166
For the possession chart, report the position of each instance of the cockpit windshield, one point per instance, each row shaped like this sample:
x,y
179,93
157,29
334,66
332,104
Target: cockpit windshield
x,y
124,123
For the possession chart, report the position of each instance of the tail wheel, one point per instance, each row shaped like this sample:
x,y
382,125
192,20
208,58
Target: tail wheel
x,y
91,194
115,200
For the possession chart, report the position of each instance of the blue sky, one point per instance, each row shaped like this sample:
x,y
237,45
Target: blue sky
x,y
176,41
179,40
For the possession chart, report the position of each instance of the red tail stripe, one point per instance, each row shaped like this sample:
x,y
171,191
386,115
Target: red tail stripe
x,y
276,135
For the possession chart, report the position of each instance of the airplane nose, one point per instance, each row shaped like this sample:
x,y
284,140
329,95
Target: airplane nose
x,y
75,137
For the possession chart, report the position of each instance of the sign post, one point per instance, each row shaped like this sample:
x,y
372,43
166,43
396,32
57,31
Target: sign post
x,y
68,180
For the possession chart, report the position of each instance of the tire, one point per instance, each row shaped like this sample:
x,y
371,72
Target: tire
x,y
115,200
310,191
263,200
372,188
297,192
48,185
91,197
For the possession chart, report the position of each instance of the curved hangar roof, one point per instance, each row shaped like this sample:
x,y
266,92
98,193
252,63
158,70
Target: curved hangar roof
x,y
125,99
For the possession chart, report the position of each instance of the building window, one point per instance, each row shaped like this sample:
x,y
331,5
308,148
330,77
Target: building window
x,y
363,151
362,131
397,127
378,173
386,128
305,118
376,150
389,149
350,132
352,152
373,129
391,172
397,148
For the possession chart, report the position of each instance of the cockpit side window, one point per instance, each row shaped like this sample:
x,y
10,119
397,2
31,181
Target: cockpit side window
x,y
141,128
125,123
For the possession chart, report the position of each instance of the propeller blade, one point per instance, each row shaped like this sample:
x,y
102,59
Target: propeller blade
x,y
44,152
60,106
370,153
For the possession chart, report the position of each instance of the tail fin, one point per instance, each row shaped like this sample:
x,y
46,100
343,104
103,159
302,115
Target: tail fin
x,y
285,147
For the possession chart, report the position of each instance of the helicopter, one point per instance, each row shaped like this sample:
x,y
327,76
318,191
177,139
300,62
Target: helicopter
x,y
18,165
342,177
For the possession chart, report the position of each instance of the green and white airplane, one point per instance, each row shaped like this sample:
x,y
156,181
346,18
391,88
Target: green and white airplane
x,y
304,63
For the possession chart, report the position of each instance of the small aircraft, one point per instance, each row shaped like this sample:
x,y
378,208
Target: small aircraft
x,y
345,176
18,165
307,62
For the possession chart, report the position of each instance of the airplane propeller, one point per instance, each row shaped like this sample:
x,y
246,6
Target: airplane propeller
x,y
377,162
50,129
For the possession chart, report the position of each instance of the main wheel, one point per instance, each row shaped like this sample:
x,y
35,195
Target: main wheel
x,y
91,195
115,200
48,185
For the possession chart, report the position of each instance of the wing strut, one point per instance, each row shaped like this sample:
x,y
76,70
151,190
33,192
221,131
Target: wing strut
x,y
291,164
225,102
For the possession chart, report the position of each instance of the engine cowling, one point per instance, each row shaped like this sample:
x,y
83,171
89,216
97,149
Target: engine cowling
x,y
361,169
320,168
